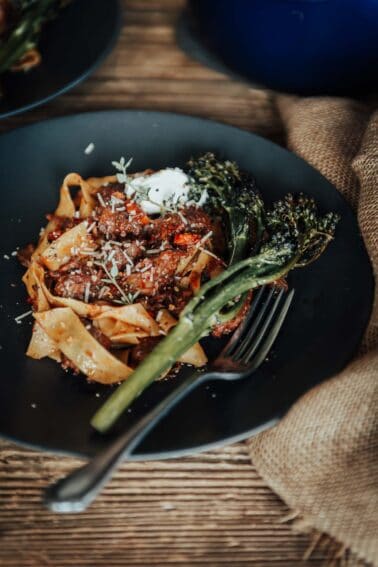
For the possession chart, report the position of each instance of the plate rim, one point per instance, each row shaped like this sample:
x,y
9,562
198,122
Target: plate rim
x,y
82,77
159,455
181,115
277,416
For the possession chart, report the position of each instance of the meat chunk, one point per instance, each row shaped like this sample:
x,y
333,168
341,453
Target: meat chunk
x,y
24,255
117,257
62,225
172,298
153,274
80,283
67,364
186,239
114,190
135,249
72,285
164,228
100,337
229,326
141,350
117,224
198,221
120,223
190,220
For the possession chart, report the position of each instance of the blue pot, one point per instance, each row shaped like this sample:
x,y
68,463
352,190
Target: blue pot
x,y
301,46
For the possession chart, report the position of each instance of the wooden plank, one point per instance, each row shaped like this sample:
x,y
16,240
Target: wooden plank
x,y
208,509
148,70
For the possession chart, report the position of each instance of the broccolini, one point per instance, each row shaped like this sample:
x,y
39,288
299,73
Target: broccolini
x,y
290,234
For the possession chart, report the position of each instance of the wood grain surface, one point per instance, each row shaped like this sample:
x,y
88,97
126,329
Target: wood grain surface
x,y
209,509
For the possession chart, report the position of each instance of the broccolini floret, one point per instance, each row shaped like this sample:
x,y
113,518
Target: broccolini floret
x,y
234,192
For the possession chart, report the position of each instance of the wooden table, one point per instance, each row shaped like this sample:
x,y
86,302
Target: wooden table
x,y
209,509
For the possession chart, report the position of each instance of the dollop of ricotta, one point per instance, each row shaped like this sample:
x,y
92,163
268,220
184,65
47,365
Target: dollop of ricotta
x,y
169,185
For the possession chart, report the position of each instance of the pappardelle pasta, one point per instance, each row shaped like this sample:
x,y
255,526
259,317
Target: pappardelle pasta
x,y
116,264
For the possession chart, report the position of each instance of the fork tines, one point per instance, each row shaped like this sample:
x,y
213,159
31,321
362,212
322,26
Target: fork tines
x,y
255,336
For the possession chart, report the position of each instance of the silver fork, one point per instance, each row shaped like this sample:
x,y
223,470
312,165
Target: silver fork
x,y
244,353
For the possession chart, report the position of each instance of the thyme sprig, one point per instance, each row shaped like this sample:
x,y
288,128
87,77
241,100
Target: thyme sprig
x,y
127,298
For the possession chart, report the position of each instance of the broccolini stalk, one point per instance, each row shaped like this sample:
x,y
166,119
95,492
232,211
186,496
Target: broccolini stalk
x,y
297,236
25,34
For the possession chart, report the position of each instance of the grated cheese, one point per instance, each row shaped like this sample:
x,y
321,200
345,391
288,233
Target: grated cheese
x,y
128,258
208,252
184,220
89,149
23,315
103,290
116,201
101,200
86,292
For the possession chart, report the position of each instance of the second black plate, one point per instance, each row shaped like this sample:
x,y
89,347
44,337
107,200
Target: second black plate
x,y
43,406
71,46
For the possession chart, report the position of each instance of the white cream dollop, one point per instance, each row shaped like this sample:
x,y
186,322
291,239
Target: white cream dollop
x,y
167,185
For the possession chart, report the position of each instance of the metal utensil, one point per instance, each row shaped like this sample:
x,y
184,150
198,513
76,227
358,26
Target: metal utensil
x,y
244,353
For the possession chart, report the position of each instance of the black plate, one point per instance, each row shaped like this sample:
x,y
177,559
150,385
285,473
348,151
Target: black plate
x,y
72,46
43,406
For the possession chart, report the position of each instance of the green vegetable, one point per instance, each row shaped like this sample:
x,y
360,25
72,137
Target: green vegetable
x,y
234,192
31,15
231,192
294,236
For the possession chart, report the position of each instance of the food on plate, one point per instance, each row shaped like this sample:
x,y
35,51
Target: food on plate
x,y
133,270
114,268
21,22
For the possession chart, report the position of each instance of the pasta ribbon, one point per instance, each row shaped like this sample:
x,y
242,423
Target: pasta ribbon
x,y
41,345
71,337
195,355
127,324
69,244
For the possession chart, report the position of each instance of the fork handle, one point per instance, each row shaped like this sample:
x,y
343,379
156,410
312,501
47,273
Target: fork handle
x,y
77,490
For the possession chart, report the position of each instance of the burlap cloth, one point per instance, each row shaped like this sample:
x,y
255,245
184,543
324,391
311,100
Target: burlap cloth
x,y
322,458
